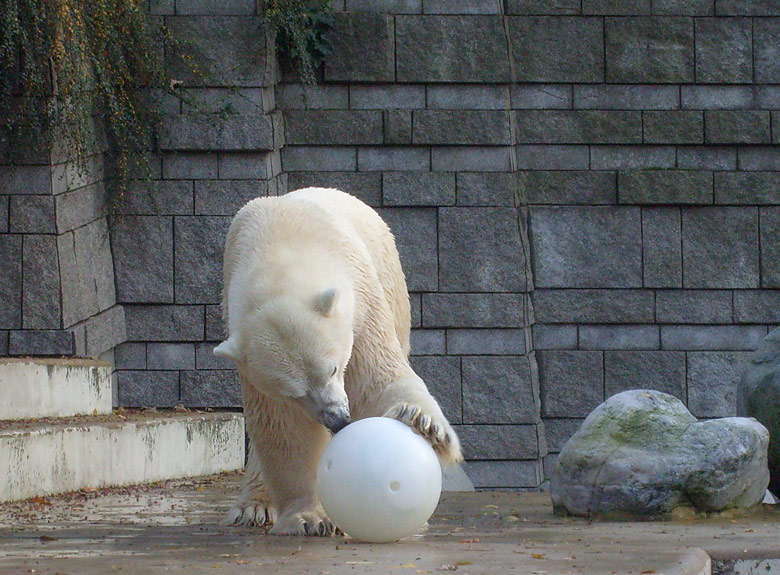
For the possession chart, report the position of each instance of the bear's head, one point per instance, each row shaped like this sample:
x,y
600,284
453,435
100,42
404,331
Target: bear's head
x,y
296,347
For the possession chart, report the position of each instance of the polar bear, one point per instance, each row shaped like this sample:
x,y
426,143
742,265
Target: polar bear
x,y
318,319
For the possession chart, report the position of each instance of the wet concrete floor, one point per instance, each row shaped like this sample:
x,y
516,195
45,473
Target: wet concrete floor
x,y
175,528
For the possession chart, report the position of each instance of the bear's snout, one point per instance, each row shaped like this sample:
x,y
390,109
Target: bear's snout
x,y
334,419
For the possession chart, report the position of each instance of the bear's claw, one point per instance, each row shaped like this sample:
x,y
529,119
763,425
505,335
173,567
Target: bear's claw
x,y
251,514
434,429
304,524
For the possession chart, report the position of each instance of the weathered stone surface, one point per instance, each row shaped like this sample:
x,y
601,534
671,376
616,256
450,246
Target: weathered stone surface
x,y
418,189
365,185
390,6
702,97
80,207
770,249
247,166
544,97
480,249
442,377
25,180
706,158
665,187
632,157
550,157
333,127
499,390
148,388
105,331
226,197
720,248
481,442
224,101
558,49
466,97
386,96
164,322
619,337
166,356
693,306
445,49
199,242
505,474
471,158
724,50
212,388
543,6
593,306
673,127
554,336
766,59
215,329
713,379
641,454
305,97
586,247
578,127
363,49
190,165
662,248
461,127
747,188
415,236
759,396
201,132
41,285
4,209
32,215
486,342
568,187
209,8
130,356
659,370
205,358
757,306
472,310
143,258
759,158
572,382
626,97
711,337
737,127
396,159
40,342
428,342
156,198
486,189
748,8
649,50
684,7
398,126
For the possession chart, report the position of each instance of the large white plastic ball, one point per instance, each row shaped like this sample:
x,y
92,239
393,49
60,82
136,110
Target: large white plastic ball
x,y
378,480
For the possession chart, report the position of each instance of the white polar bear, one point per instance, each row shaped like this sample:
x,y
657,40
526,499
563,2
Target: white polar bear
x,y
318,325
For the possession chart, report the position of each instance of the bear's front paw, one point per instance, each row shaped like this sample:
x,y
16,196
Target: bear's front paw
x,y
304,523
435,429
251,512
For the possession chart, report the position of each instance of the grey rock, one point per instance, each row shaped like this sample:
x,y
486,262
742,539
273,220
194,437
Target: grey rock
x,y
748,8
471,158
685,7
554,336
246,166
461,127
505,474
218,388
148,388
215,330
703,97
619,337
594,306
25,180
724,50
737,127
486,189
363,49
199,245
766,35
190,165
759,158
544,97
486,342
757,306
613,8
415,236
418,189
205,358
662,248
390,6
156,198
105,331
4,207
568,187
143,258
578,127
694,306
665,187
202,132
549,157
572,382
472,310
711,337
659,370
455,479
466,97
393,159
398,126
170,356
461,7
641,454
626,97
224,101
499,390
41,285
543,6
747,188
366,186
481,442
32,215
333,127
386,97
224,8
164,322
706,158
428,342
632,157
442,376
558,431
713,379
673,127
226,197
130,356
305,97
40,342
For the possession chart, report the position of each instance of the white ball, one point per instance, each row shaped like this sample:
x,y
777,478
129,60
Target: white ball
x,y
378,480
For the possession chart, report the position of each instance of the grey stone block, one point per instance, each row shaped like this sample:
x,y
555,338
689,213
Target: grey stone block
x,y
665,187
649,50
416,238
659,370
711,337
568,187
418,189
205,358
365,185
363,49
390,6
415,301
684,7
578,127
164,322
442,377
748,8
445,49
315,159
316,97
466,97
616,7
80,207
210,133
17,180
188,166
706,158
143,258
461,7
724,50
245,166
589,247
558,49
461,127
4,209
720,248
211,8
486,342
40,342
398,126
713,378
754,158
130,356
673,127
199,244
170,356
757,306
221,51
554,336
31,215
572,382
630,337
228,103
333,127
498,390
631,157
693,306
472,310
716,97
105,331
486,189
41,286
77,301
481,249
4,342
215,329
148,388
542,157
543,7
471,159
661,248
626,97
594,306
558,432
766,58
220,388
428,342
505,474
156,198
544,97
770,249
737,127
502,442
226,197
387,97
372,159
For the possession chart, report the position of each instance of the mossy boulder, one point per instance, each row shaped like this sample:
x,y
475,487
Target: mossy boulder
x,y
641,454
759,397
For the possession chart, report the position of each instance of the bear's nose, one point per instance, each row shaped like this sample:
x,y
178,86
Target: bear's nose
x,y
335,420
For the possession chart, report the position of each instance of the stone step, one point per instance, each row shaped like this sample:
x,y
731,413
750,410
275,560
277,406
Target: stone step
x,y
53,387
44,457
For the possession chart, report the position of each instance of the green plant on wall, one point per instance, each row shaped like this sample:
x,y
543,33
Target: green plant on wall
x,y
79,72
301,28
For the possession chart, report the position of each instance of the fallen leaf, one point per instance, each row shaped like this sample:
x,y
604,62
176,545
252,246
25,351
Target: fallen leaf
x,y
648,571
40,501
462,563
47,538
538,556
405,566
469,541
361,562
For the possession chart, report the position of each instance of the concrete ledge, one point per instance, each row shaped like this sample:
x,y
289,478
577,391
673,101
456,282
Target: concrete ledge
x,y
43,458
51,387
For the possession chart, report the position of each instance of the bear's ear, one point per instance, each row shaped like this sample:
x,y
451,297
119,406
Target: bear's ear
x,y
326,300
228,349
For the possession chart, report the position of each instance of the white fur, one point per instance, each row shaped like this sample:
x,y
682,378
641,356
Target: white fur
x,y
318,317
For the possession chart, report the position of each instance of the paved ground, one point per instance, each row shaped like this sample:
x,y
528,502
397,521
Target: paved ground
x,y
174,528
